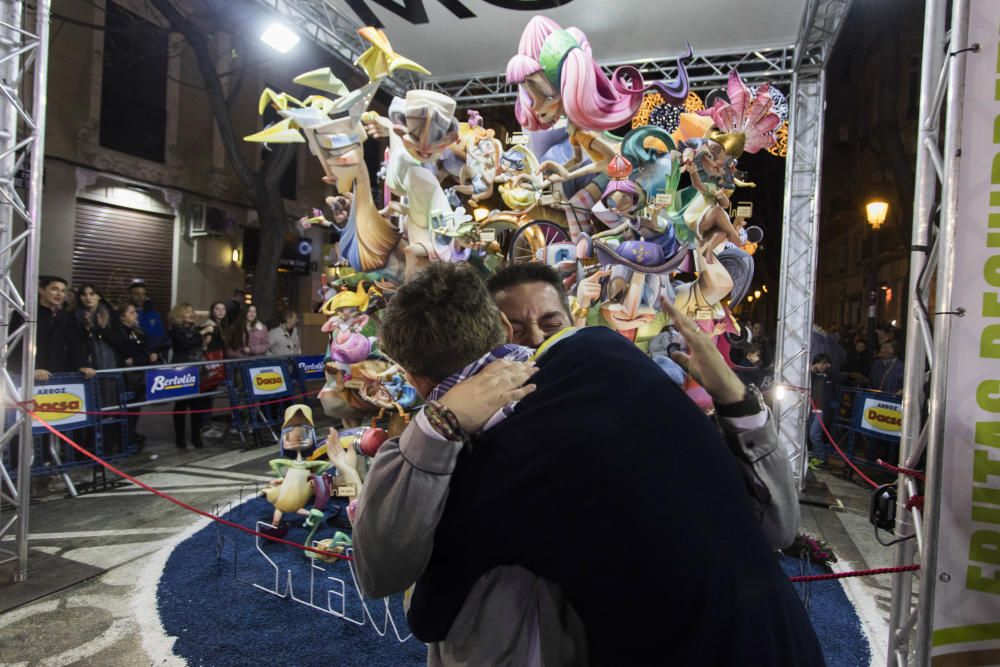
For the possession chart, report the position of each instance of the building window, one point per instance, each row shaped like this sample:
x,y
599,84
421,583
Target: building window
x,y
134,85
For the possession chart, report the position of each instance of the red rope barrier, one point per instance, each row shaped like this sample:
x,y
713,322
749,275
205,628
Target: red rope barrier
x,y
916,474
29,406
858,573
837,447
231,524
179,503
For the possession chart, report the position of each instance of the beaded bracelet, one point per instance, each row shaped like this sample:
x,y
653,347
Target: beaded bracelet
x,y
444,422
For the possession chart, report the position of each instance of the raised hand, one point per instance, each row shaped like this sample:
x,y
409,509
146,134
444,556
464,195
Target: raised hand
x,y
704,361
478,398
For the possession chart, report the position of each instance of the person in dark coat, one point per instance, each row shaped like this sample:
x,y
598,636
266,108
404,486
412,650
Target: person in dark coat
x,y
695,579
57,346
189,343
132,348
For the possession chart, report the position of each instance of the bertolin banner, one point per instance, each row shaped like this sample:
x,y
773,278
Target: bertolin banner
x,y
268,380
171,383
311,366
62,406
967,591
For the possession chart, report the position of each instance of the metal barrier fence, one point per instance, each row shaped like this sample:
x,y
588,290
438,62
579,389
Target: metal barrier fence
x,y
105,407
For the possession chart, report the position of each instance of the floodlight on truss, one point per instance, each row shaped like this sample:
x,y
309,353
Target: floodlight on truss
x,y
279,37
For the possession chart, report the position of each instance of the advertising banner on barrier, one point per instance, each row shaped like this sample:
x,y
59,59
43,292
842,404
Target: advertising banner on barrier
x,y
71,397
967,589
880,415
171,382
311,366
268,380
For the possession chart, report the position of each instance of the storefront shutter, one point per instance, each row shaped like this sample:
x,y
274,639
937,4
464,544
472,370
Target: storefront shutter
x,y
114,245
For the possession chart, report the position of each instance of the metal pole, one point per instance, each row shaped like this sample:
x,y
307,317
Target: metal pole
x,y
873,295
925,189
942,328
37,165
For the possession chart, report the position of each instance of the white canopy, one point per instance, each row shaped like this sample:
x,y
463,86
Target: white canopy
x,y
618,30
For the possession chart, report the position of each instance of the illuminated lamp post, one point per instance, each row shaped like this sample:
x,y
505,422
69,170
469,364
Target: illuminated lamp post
x,y
876,212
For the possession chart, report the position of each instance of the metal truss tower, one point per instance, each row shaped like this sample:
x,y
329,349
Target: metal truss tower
x,y
24,39
932,252
800,232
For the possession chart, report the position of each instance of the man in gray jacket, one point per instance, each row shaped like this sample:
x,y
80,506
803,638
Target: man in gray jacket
x,y
511,615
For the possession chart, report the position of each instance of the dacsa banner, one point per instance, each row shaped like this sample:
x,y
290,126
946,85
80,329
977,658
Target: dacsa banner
x,y
268,380
966,572
171,382
311,366
881,417
61,405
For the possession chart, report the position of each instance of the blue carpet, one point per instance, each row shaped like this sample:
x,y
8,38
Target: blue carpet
x,y
220,619
836,623
209,603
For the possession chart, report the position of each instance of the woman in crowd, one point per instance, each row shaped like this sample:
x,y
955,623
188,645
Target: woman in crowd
x,y
217,326
132,349
283,340
247,337
93,322
189,344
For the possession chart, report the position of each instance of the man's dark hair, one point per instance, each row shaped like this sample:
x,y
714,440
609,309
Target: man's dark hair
x,y
821,357
521,273
45,281
440,321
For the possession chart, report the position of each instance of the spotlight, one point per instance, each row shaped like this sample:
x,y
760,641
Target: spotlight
x,y
779,392
756,294
279,38
236,255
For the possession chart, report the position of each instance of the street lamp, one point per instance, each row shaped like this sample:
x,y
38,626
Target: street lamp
x,y
876,212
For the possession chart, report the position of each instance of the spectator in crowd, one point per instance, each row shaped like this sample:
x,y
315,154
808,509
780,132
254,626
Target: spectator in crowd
x,y
149,320
283,340
132,348
858,364
823,401
57,345
887,371
189,343
247,336
763,342
235,305
94,320
218,328
428,514
217,323
71,301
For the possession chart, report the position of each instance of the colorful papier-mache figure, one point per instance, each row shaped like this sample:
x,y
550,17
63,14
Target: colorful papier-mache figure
x,y
297,479
336,141
557,76
419,127
347,319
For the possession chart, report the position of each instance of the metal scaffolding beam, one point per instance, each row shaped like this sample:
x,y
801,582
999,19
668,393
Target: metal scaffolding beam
x,y
705,72
803,169
24,38
919,341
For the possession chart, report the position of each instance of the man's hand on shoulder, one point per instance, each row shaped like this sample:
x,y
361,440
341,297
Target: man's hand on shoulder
x,y
475,400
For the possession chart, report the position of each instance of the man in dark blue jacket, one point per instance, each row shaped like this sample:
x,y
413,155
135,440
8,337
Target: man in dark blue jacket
x,y
637,513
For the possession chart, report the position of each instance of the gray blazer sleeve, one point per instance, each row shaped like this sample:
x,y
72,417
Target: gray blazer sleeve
x,y
400,505
768,473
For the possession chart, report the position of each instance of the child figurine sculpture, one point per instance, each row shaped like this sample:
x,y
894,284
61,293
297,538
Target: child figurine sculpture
x,y
297,479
